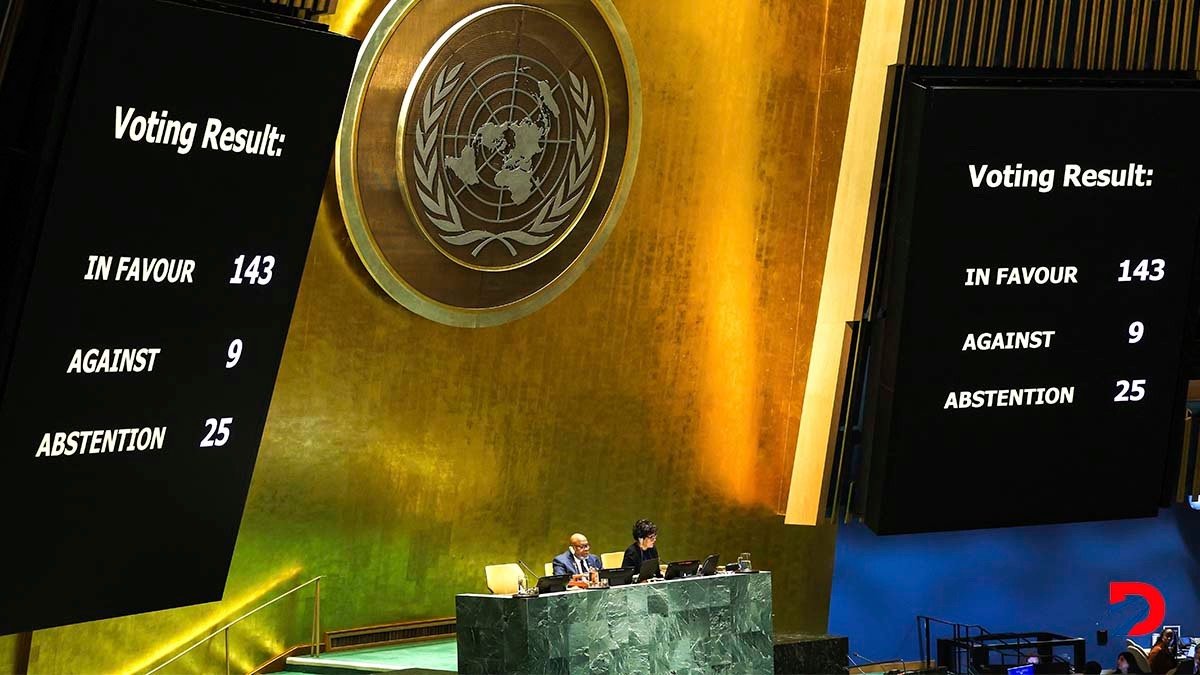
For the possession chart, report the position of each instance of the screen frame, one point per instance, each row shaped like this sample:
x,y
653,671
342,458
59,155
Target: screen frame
x,y
865,415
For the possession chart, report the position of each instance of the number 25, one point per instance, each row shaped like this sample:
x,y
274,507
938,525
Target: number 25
x,y
218,432
1130,390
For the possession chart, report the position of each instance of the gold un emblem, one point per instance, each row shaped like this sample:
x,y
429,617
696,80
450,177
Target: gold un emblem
x,y
486,151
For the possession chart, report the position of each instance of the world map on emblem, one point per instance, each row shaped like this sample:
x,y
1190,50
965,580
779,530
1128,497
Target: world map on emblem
x,y
515,144
504,139
487,151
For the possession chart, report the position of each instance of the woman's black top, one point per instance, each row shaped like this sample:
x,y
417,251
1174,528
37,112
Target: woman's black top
x,y
634,556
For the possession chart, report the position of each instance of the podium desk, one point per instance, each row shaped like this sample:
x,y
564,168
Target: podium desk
x,y
697,625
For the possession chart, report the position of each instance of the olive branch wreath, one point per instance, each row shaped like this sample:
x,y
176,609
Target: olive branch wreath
x,y
440,207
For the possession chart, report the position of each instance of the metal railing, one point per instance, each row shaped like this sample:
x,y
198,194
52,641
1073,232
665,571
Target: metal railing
x,y
961,632
315,582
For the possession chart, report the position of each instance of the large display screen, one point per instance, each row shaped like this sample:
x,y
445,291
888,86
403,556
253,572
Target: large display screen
x,y
196,149
1034,303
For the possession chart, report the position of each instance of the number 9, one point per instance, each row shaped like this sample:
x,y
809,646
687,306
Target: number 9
x,y
1136,330
235,353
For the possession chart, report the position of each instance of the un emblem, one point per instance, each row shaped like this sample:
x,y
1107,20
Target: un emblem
x,y
479,176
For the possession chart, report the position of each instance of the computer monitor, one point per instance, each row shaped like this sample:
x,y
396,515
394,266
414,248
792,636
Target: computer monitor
x,y
618,576
1026,669
709,566
555,583
648,569
682,568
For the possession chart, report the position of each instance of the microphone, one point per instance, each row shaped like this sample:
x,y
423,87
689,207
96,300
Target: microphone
x,y
527,568
529,591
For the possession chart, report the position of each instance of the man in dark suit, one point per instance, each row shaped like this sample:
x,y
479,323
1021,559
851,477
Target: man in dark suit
x,y
578,558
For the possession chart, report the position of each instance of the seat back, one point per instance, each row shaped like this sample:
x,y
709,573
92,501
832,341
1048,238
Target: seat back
x,y
1139,654
612,560
502,579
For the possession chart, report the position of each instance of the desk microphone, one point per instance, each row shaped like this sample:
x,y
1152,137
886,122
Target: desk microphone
x,y
528,591
527,568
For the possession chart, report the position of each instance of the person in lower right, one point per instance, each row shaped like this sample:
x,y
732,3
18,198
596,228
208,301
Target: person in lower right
x,y
1127,664
1192,666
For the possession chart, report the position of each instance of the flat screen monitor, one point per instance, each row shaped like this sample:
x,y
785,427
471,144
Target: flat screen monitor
x,y
709,566
682,568
618,576
1026,669
156,304
1034,301
648,569
555,583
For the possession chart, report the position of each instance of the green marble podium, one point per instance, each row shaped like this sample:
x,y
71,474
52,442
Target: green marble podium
x,y
718,624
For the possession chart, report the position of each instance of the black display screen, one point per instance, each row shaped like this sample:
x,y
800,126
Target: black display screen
x,y
196,149
1034,304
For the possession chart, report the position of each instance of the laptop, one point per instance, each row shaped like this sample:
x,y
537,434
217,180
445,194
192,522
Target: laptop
x,y
682,568
618,576
648,570
709,566
556,583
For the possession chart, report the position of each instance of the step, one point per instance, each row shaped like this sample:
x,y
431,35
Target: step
x,y
434,656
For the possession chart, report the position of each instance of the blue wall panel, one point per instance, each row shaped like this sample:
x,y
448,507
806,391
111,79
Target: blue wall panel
x,y
1050,578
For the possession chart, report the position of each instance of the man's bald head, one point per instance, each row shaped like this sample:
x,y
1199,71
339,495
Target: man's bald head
x,y
580,546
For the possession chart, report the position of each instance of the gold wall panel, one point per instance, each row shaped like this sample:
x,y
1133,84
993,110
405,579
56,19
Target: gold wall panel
x,y
8,654
841,292
401,456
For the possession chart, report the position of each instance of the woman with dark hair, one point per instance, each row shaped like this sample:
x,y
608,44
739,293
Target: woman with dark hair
x,y
645,534
1127,664
1162,655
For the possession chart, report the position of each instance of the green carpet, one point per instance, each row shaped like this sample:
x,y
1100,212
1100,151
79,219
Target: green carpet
x,y
433,655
